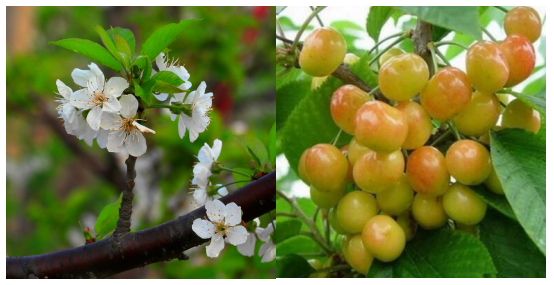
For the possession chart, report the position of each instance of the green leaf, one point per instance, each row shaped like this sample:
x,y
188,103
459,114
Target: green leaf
x,y
461,19
439,33
293,266
498,202
519,158
289,96
272,144
110,45
254,147
536,86
123,48
287,229
380,269
107,220
376,19
169,77
513,253
146,97
310,122
440,254
240,177
163,37
293,74
164,87
127,35
297,245
537,102
91,50
146,66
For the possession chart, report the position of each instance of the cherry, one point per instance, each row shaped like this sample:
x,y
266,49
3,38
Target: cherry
x,y
396,200
389,54
469,162
446,94
350,174
428,212
427,172
377,172
333,221
354,210
356,151
520,55
384,238
463,205
523,21
326,200
380,127
520,116
326,168
403,76
302,167
408,224
493,183
419,124
345,104
323,52
357,255
481,115
487,67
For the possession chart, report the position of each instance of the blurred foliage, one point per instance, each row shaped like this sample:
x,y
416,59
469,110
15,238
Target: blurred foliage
x,y
50,185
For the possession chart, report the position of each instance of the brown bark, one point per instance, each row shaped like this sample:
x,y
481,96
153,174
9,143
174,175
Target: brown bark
x,y
161,243
126,209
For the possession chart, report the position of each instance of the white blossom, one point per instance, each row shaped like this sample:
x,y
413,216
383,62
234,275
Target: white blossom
x,y
164,64
207,156
65,110
98,96
248,248
125,130
201,106
200,186
268,250
224,222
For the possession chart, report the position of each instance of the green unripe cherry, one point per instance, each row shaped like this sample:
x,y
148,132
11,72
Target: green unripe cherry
x,y
463,205
323,52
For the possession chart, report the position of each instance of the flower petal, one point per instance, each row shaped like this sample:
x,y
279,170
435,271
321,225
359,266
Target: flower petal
x,y
112,105
179,97
142,128
115,86
215,210
189,99
205,154
81,99
200,168
237,235
110,121
222,191
263,248
69,112
215,246
216,149
203,228
94,117
135,142
95,69
161,96
248,248
129,106
90,134
160,62
200,196
64,90
233,214
270,253
115,140
182,124
81,77
102,138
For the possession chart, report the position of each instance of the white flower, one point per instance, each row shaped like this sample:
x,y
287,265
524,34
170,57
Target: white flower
x,y
224,222
125,129
201,106
65,110
207,156
81,77
164,64
200,185
268,250
248,248
98,96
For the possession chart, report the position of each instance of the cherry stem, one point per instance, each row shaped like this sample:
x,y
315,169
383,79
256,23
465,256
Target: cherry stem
x,y
337,138
281,32
432,48
316,214
375,90
456,133
442,138
376,58
317,17
235,171
376,47
501,9
298,213
176,108
441,55
304,26
488,34
439,44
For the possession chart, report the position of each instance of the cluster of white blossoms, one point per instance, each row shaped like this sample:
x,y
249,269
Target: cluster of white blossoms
x,y
202,172
98,110
224,225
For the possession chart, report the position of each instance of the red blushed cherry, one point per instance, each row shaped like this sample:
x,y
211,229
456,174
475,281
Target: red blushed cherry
x,y
469,162
427,172
419,124
349,176
380,127
345,104
377,172
326,168
487,67
523,21
446,94
520,54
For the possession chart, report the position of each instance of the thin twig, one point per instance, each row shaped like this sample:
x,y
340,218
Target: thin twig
x,y
488,34
442,56
304,26
501,9
439,44
376,58
126,209
376,47
317,17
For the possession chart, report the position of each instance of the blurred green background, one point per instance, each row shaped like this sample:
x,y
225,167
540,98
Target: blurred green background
x,y
54,180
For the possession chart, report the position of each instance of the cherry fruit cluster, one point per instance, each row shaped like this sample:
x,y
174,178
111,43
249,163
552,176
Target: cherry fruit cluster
x,y
402,182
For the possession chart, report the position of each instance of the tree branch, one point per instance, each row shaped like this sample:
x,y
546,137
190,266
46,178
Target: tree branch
x,y
161,243
126,209
423,35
